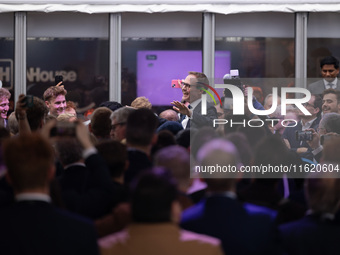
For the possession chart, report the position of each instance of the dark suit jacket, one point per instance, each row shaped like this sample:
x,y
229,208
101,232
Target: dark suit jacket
x,y
75,178
198,120
319,86
139,161
289,134
91,194
36,227
310,235
240,231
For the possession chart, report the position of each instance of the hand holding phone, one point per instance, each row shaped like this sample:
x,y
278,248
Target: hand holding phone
x,y
176,83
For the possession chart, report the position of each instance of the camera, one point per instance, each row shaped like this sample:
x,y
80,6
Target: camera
x,y
303,135
232,78
64,128
28,101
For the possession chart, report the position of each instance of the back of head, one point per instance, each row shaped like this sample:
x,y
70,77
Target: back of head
x,y
152,196
241,142
115,156
173,126
53,92
36,113
69,150
330,60
199,138
112,105
331,150
101,122
141,127
141,102
169,114
330,122
28,159
323,192
177,160
121,115
213,156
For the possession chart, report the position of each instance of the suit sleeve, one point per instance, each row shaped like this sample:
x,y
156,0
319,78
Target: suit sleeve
x,y
204,120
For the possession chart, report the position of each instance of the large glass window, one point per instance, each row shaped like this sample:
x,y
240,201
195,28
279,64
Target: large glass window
x,y
157,48
261,47
7,54
72,45
323,40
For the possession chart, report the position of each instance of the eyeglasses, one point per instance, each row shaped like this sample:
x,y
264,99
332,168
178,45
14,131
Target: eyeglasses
x,y
184,84
308,104
113,127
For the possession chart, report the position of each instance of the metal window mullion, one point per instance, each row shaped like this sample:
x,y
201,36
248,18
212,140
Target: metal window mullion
x,y
209,46
301,20
20,33
115,63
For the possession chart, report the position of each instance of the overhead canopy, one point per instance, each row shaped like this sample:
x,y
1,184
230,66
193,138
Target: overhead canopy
x,y
151,6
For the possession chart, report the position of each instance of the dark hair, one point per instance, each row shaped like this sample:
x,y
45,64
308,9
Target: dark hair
x,y
140,127
69,150
330,60
37,113
112,105
332,91
152,196
318,103
28,158
101,122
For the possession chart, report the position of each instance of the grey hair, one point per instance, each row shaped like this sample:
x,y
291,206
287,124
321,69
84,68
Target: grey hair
x,y
122,114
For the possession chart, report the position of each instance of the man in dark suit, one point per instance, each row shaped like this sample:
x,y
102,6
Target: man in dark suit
x,y
32,225
317,232
154,229
86,187
314,106
220,214
329,71
140,136
190,115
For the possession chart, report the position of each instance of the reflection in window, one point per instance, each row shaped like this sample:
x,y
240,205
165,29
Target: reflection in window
x,y
74,45
149,65
7,55
82,62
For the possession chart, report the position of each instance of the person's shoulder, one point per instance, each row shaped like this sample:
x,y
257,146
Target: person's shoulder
x,y
109,241
201,239
316,87
70,218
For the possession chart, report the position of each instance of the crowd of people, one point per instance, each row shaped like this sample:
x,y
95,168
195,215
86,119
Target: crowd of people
x,y
124,181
